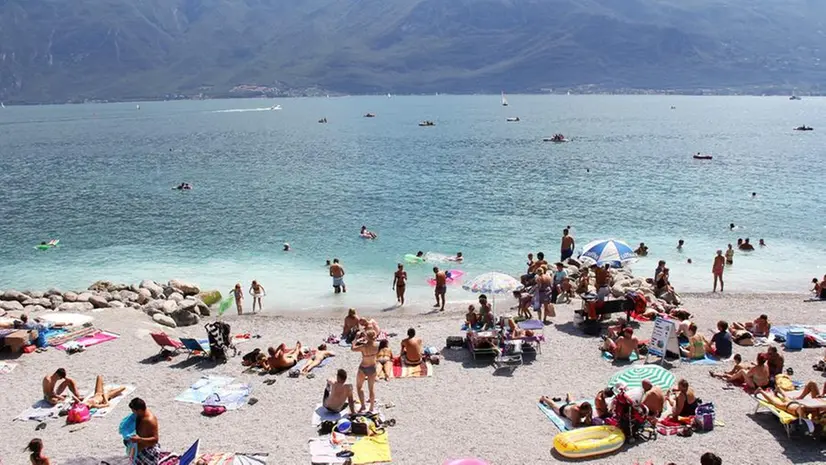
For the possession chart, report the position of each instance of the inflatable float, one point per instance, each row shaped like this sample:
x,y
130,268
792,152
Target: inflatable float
x,y
453,277
589,442
48,245
369,236
411,258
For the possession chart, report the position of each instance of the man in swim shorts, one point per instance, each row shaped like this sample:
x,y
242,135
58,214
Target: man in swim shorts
x,y
55,384
146,434
568,245
624,346
441,288
411,351
338,395
579,415
337,272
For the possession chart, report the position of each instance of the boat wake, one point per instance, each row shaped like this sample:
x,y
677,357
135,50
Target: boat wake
x,y
244,110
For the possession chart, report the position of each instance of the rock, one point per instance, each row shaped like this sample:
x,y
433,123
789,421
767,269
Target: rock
x,y
122,287
175,297
84,296
33,308
11,305
35,294
53,291
187,288
116,304
98,301
162,319
210,297
153,287
203,309
102,286
169,306
155,304
14,295
128,296
134,305
43,302
132,287
144,296
70,296
115,296
105,294
188,304
56,300
185,317
75,307
168,291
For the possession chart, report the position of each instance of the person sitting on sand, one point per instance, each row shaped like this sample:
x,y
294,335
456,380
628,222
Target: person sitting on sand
x,y
315,360
471,317
485,312
281,359
601,407
684,402
774,361
53,392
579,415
738,365
524,299
790,406
756,376
351,326
616,330
624,346
338,395
412,348
696,344
582,286
642,250
816,288
758,328
662,284
720,344
653,398
102,397
384,361
36,457
368,324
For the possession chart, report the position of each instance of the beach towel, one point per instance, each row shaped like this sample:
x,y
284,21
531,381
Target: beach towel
x,y
321,414
707,360
301,363
7,367
89,340
102,412
40,411
50,333
203,388
563,424
403,370
71,336
610,357
322,452
371,449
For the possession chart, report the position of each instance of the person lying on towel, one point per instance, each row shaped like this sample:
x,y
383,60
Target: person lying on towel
x,y
102,397
578,414
319,356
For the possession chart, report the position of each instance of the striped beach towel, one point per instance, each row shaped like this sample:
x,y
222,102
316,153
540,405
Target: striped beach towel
x,y
403,370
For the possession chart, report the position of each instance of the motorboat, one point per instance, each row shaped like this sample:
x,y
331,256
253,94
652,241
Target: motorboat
x,y
427,123
513,120
370,115
275,107
795,97
804,128
558,138
323,120
700,156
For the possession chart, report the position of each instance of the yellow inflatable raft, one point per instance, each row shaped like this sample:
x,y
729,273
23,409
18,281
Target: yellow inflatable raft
x,y
589,442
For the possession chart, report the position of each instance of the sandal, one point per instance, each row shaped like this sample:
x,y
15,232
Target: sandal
x,y
390,422
252,401
310,375
270,382
40,426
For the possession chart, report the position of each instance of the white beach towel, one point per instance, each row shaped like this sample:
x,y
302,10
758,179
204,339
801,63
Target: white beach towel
x,y
322,452
40,411
321,414
203,388
102,412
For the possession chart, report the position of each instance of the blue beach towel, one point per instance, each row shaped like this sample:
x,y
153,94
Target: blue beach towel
x,y
608,356
563,424
707,360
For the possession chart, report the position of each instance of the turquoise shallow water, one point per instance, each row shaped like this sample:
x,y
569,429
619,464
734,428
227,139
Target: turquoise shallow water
x,y
99,178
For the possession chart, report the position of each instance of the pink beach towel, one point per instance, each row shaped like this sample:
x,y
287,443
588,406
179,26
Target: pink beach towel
x,y
93,339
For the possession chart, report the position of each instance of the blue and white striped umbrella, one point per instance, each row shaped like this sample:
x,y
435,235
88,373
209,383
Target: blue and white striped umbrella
x,y
614,252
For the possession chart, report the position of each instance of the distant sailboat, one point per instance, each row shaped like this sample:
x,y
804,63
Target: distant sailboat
x,y
1,105
388,95
794,96
504,100
138,107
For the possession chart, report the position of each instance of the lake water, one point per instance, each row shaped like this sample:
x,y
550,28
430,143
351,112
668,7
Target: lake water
x,y
99,178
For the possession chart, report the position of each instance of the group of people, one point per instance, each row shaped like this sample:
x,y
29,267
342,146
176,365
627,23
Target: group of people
x,y
257,292
819,288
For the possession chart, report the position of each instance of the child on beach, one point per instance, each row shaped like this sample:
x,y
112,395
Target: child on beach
x,y
257,291
239,298
36,448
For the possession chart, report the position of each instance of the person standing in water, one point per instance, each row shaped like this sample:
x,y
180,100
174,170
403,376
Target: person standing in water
x,y
441,288
399,283
568,245
680,245
730,255
337,272
258,292
239,298
717,270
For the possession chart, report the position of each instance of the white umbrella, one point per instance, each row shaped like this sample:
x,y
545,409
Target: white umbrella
x,y
492,283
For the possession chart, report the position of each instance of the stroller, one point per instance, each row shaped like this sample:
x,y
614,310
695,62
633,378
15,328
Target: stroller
x,y
220,341
632,418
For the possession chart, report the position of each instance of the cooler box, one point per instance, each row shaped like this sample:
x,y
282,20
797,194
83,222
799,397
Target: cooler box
x,y
794,339
18,339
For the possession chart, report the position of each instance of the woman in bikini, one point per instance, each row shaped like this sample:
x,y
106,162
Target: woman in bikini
x,y
544,290
384,361
102,397
696,344
367,369
258,292
399,283
239,298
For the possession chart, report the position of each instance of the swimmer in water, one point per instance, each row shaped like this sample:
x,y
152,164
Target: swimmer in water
x,y
420,254
753,194
287,247
458,258
689,261
328,263
731,227
680,244
761,243
365,233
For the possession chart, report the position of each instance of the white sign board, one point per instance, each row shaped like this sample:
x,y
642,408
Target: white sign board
x,y
663,338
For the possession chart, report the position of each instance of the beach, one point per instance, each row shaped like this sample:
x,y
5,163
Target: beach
x,y
464,409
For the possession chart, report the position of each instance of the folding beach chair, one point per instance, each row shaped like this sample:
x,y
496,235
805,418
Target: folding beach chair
x,y
192,346
164,341
187,458
786,419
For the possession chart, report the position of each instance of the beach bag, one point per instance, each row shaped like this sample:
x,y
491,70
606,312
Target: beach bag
x,y
704,417
455,341
212,406
326,427
79,413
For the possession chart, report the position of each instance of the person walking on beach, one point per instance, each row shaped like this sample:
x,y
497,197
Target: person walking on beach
x,y
399,283
568,245
337,272
367,369
146,434
36,448
258,292
730,255
441,288
239,298
717,270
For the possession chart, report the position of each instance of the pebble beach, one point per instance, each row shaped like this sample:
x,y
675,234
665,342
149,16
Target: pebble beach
x,y
464,409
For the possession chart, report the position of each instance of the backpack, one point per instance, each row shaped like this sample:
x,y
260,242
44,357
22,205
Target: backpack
x,y
79,413
704,417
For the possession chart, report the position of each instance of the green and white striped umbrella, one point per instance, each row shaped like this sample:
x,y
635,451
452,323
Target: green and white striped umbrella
x,y
634,376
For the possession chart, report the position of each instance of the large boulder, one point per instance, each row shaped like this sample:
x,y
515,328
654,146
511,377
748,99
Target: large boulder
x,y
35,294
33,308
128,296
11,305
43,302
185,287
75,307
70,296
56,300
153,287
134,305
203,309
144,296
116,304
102,286
53,291
162,319
169,306
84,296
120,287
14,295
98,301
175,297
210,297
105,294
190,305
168,291
185,317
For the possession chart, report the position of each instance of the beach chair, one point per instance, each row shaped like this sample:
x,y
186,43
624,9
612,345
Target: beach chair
x,y
192,346
164,341
187,458
786,419
483,343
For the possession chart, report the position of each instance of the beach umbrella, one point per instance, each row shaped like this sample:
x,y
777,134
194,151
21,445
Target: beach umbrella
x,y
633,377
492,283
611,251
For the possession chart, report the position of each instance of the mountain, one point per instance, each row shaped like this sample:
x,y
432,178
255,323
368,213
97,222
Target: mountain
x,y
59,50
